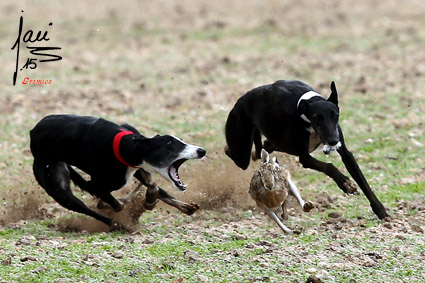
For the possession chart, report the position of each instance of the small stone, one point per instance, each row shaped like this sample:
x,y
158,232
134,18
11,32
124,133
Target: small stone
x,y
148,241
387,225
417,228
191,255
314,279
25,241
334,215
134,272
322,274
28,258
202,278
369,263
338,265
311,270
118,254
7,261
400,237
395,249
40,269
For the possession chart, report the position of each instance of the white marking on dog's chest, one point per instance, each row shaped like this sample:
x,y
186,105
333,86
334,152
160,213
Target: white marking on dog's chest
x,y
129,174
314,140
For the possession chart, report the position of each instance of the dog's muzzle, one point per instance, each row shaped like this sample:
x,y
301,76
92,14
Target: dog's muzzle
x,y
327,149
191,152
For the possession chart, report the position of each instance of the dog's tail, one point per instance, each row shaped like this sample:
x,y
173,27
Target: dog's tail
x,y
78,180
239,132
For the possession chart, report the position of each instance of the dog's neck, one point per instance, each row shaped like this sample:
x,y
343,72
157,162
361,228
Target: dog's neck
x,y
307,96
116,147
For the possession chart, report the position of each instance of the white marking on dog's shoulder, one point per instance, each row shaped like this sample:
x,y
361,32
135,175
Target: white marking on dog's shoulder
x,y
307,96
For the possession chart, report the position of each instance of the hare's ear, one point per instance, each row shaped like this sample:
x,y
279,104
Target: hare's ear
x,y
265,158
274,161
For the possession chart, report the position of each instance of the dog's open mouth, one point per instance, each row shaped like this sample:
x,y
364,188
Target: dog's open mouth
x,y
173,173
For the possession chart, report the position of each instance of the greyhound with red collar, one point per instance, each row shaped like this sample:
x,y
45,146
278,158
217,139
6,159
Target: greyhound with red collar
x,y
294,119
111,154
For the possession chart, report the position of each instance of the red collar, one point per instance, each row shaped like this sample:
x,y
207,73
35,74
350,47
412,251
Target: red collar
x,y
116,146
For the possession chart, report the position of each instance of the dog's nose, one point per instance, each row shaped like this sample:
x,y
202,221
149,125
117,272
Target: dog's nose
x,y
201,152
332,142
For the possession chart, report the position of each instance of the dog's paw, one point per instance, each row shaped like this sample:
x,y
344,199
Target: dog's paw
x,y
189,208
103,205
118,227
350,187
124,200
308,206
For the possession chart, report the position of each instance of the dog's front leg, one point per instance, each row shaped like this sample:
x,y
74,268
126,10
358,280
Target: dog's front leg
x,y
329,169
152,191
354,170
186,208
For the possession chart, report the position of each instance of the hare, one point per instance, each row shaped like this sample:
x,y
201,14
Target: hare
x,y
270,186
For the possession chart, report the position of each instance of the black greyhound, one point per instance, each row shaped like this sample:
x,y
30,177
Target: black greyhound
x,y
111,155
294,119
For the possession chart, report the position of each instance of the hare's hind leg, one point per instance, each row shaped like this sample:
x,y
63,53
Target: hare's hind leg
x,y
284,208
277,219
307,206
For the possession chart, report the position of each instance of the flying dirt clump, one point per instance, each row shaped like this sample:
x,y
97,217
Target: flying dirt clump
x,y
125,220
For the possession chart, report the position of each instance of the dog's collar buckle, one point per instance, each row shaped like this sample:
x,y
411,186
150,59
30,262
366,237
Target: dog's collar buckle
x,y
116,146
307,96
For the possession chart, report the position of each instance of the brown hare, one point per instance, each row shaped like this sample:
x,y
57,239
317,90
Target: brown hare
x,y
270,187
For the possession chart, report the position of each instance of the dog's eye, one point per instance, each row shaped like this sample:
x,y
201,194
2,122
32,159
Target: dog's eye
x,y
169,142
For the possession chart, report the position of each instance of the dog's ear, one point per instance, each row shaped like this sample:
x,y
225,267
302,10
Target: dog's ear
x,y
302,107
140,141
334,94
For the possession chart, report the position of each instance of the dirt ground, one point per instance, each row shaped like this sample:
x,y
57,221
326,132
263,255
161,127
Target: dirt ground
x,y
172,67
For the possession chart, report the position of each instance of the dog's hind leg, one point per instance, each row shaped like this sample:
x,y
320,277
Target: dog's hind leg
x,y
78,179
54,177
354,170
257,144
239,137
